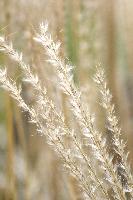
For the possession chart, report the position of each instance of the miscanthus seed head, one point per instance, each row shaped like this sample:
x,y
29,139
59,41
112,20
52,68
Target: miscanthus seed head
x,y
49,120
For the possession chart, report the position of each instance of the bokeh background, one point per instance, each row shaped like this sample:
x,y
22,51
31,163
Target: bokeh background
x,y
91,32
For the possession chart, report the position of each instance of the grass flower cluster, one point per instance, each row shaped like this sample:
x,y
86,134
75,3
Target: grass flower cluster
x,y
100,174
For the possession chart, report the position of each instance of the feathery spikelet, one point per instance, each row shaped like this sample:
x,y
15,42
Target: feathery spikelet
x,y
50,123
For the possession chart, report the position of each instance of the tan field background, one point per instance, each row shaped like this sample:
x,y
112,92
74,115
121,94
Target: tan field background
x,y
91,32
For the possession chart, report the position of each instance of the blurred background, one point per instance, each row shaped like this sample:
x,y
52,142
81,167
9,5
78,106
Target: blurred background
x,y
91,32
